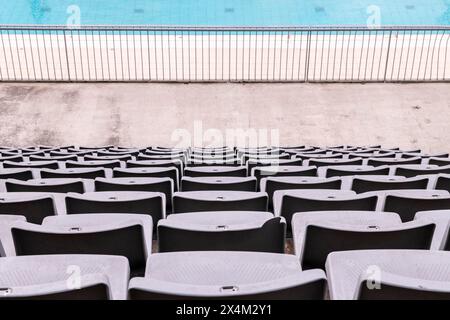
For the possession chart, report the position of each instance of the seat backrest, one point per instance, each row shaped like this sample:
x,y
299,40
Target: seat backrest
x,y
361,185
34,209
218,183
321,241
169,172
73,173
18,174
215,171
407,207
45,186
336,172
111,164
412,172
270,237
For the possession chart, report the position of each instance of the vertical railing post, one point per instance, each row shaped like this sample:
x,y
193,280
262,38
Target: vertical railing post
x,y
308,55
67,55
387,55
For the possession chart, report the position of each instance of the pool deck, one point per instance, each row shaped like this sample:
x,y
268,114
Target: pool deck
x,y
404,115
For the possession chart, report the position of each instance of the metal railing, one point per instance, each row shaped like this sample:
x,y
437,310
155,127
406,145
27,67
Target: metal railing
x,y
224,54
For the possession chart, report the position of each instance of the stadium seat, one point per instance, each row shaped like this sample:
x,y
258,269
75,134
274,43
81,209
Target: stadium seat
x,y
317,234
64,277
106,234
46,185
17,174
215,171
227,276
218,183
367,184
194,201
393,162
389,275
74,173
413,171
6,241
335,162
343,171
31,165
159,172
33,206
222,231
441,162
125,157
53,158
108,164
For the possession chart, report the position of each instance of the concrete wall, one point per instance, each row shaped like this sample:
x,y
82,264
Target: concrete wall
x,y
404,115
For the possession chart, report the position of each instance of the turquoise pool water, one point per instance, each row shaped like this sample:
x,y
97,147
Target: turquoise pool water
x,y
226,12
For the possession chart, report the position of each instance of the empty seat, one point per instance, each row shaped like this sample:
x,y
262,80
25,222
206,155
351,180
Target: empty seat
x,y
414,171
408,205
441,238
214,171
194,201
441,162
106,234
335,162
443,182
367,184
6,241
18,174
389,274
222,231
11,158
53,158
110,164
283,171
149,203
317,234
64,277
125,157
34,207
118,154
265,158
46,185
364,154
271,163
227,275
312,156
393,162
169,172
288,202
162,185
343,171
425,155
156,163
74,173
213,163
161,157
32,164
218,183
272,184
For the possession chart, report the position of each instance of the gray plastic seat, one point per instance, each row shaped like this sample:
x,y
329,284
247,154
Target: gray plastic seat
x,y
156,163
6,241
194,201
53,158
33,206
282,171
73,173
222,231
64,277
108,164
120,154
442,182
343,171
393,162
441,238
389,274
227,276
288,202
175,157
407,205
413,171
273,184
11,158
46,185
159,172
317,234
215,171
106,234
18,174
192,163
162,185
335,162
130,202
368,184
125,157
218,183
441,162
31,165
252,163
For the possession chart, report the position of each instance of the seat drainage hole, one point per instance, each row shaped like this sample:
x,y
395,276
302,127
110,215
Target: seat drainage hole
x,y
5,291
229,289
75,229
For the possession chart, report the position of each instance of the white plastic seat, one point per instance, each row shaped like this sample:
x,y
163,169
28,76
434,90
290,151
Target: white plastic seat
x,y
46,185
218,183
215,171
227,275
64,277
316,234
222,230
128,235
420,274
341,171
33,206
6,241
73,173
193,201
441,234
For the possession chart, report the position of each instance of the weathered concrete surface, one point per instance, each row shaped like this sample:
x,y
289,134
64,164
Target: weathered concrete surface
x,y
404,115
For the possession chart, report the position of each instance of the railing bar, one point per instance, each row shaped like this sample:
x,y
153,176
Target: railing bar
x,y
101,54
407,56
12,57
421,54
401,56
18,55
367,57
162,57
445,58
6,57
414,57
387,56
107,55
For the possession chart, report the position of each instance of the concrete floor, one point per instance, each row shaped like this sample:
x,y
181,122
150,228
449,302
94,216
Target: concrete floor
x,y
404,115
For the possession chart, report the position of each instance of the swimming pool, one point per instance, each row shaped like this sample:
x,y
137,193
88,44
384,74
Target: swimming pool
x,y
226,12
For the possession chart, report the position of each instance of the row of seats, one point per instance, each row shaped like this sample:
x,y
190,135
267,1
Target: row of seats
x,y
213,223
